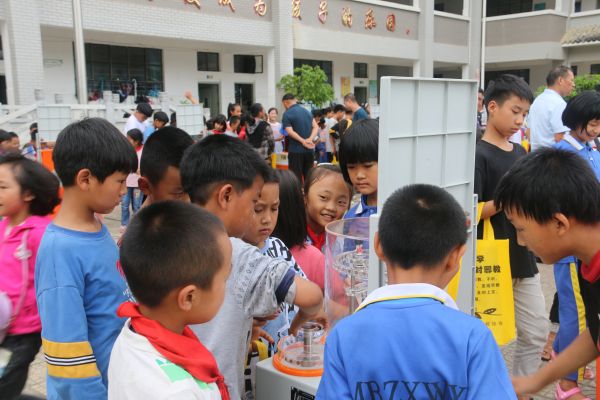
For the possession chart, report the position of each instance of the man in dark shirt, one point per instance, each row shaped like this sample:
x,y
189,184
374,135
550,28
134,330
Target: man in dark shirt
x,y
301,128
358,112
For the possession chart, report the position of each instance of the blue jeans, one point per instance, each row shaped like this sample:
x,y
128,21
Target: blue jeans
x,y
133,197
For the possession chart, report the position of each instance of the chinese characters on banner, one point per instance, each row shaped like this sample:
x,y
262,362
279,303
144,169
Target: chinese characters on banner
x,y
370,19
227,3
323,11
260,7
347,17
296,9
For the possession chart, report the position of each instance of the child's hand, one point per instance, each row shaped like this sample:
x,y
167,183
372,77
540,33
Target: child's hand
x,y
258,333
526,385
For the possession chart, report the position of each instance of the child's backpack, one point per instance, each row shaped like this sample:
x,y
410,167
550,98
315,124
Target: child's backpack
x,y
7,314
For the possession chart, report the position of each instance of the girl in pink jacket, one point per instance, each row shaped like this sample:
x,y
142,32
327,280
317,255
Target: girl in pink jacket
x,y
28,193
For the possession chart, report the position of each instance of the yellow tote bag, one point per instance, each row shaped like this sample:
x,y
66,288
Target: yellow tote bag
x,y
494,302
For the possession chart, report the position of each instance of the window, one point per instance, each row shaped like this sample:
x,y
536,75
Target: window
x,y
574,69
361,70
326,66
115,68
1,52
577,6
505,7
208,61
595,69
492,75
243,64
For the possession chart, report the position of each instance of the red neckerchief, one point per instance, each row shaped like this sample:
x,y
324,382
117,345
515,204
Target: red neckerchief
x,y
184,350
591,273
317,239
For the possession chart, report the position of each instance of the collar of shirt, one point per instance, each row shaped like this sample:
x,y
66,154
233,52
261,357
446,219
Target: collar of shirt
x,y
573,142
408,291
316,239
553,93
591,273
363,206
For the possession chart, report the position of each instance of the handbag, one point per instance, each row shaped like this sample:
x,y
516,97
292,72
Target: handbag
x,y
494,301
7,314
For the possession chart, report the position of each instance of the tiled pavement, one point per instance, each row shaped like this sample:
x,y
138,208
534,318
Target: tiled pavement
x,y
36,383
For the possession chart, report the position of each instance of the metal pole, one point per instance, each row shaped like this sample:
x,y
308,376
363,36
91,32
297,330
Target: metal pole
x,y
79,53
483,33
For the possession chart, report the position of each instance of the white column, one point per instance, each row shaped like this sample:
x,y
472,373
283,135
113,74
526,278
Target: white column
x,y
25,46
426,27
476,41
79,53
8,71
284,45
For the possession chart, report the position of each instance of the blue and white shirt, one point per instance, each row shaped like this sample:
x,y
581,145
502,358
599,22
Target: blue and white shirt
x,y
409,341
361,209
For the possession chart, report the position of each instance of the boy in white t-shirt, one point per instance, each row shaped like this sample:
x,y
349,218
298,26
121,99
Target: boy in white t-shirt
x,y
176,258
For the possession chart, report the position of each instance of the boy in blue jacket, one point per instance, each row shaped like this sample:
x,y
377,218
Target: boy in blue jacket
x,y
414,343
78,282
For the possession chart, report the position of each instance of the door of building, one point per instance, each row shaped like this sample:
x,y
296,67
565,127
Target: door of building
x,y
360,92
3,99
208,95
244,95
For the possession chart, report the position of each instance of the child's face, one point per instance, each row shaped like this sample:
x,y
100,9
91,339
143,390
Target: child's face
x,y
234,126
12,201
211,301
510,116
240,212
267,211
218,126
15,143
168,188
327,200
273,116
591,131
140,117
133,142
105,196
158,124
364,177
545,241
237,110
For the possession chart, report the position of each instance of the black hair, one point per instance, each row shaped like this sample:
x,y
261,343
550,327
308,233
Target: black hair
x,y
220,119
327,110
550,181
231,107
233,119
420,225
162,150
145,109
173,118
36,180
161,116
581,109
136,135
255,109
319,172
12,135
271,177
288,96
317,113
359,144
271,109
557,72
338,108
4,136
33,135
291,222
94,144
505,86
169,245
220,159
33,126
480,90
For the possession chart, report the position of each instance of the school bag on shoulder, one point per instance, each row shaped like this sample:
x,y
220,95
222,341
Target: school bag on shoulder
x,y
7,314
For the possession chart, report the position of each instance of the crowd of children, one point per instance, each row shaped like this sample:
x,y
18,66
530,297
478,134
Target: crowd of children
x,y
225,251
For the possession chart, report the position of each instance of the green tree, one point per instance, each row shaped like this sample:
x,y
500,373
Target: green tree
x,y
582,83
309,85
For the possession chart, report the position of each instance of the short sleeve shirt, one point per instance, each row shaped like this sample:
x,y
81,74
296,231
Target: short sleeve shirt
x,y
360,114
545,119
300,120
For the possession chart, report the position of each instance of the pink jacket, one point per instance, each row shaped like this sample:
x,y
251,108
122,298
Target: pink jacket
x,y
28,319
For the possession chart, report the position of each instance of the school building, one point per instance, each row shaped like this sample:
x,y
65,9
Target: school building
x,y
527,38
227,51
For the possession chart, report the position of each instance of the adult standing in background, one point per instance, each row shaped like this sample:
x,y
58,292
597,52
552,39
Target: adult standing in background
x,y
301,130
545,116
358,112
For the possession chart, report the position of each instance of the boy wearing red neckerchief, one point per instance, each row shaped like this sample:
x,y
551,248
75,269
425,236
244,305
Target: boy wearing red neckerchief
x,y
552,197
176,258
